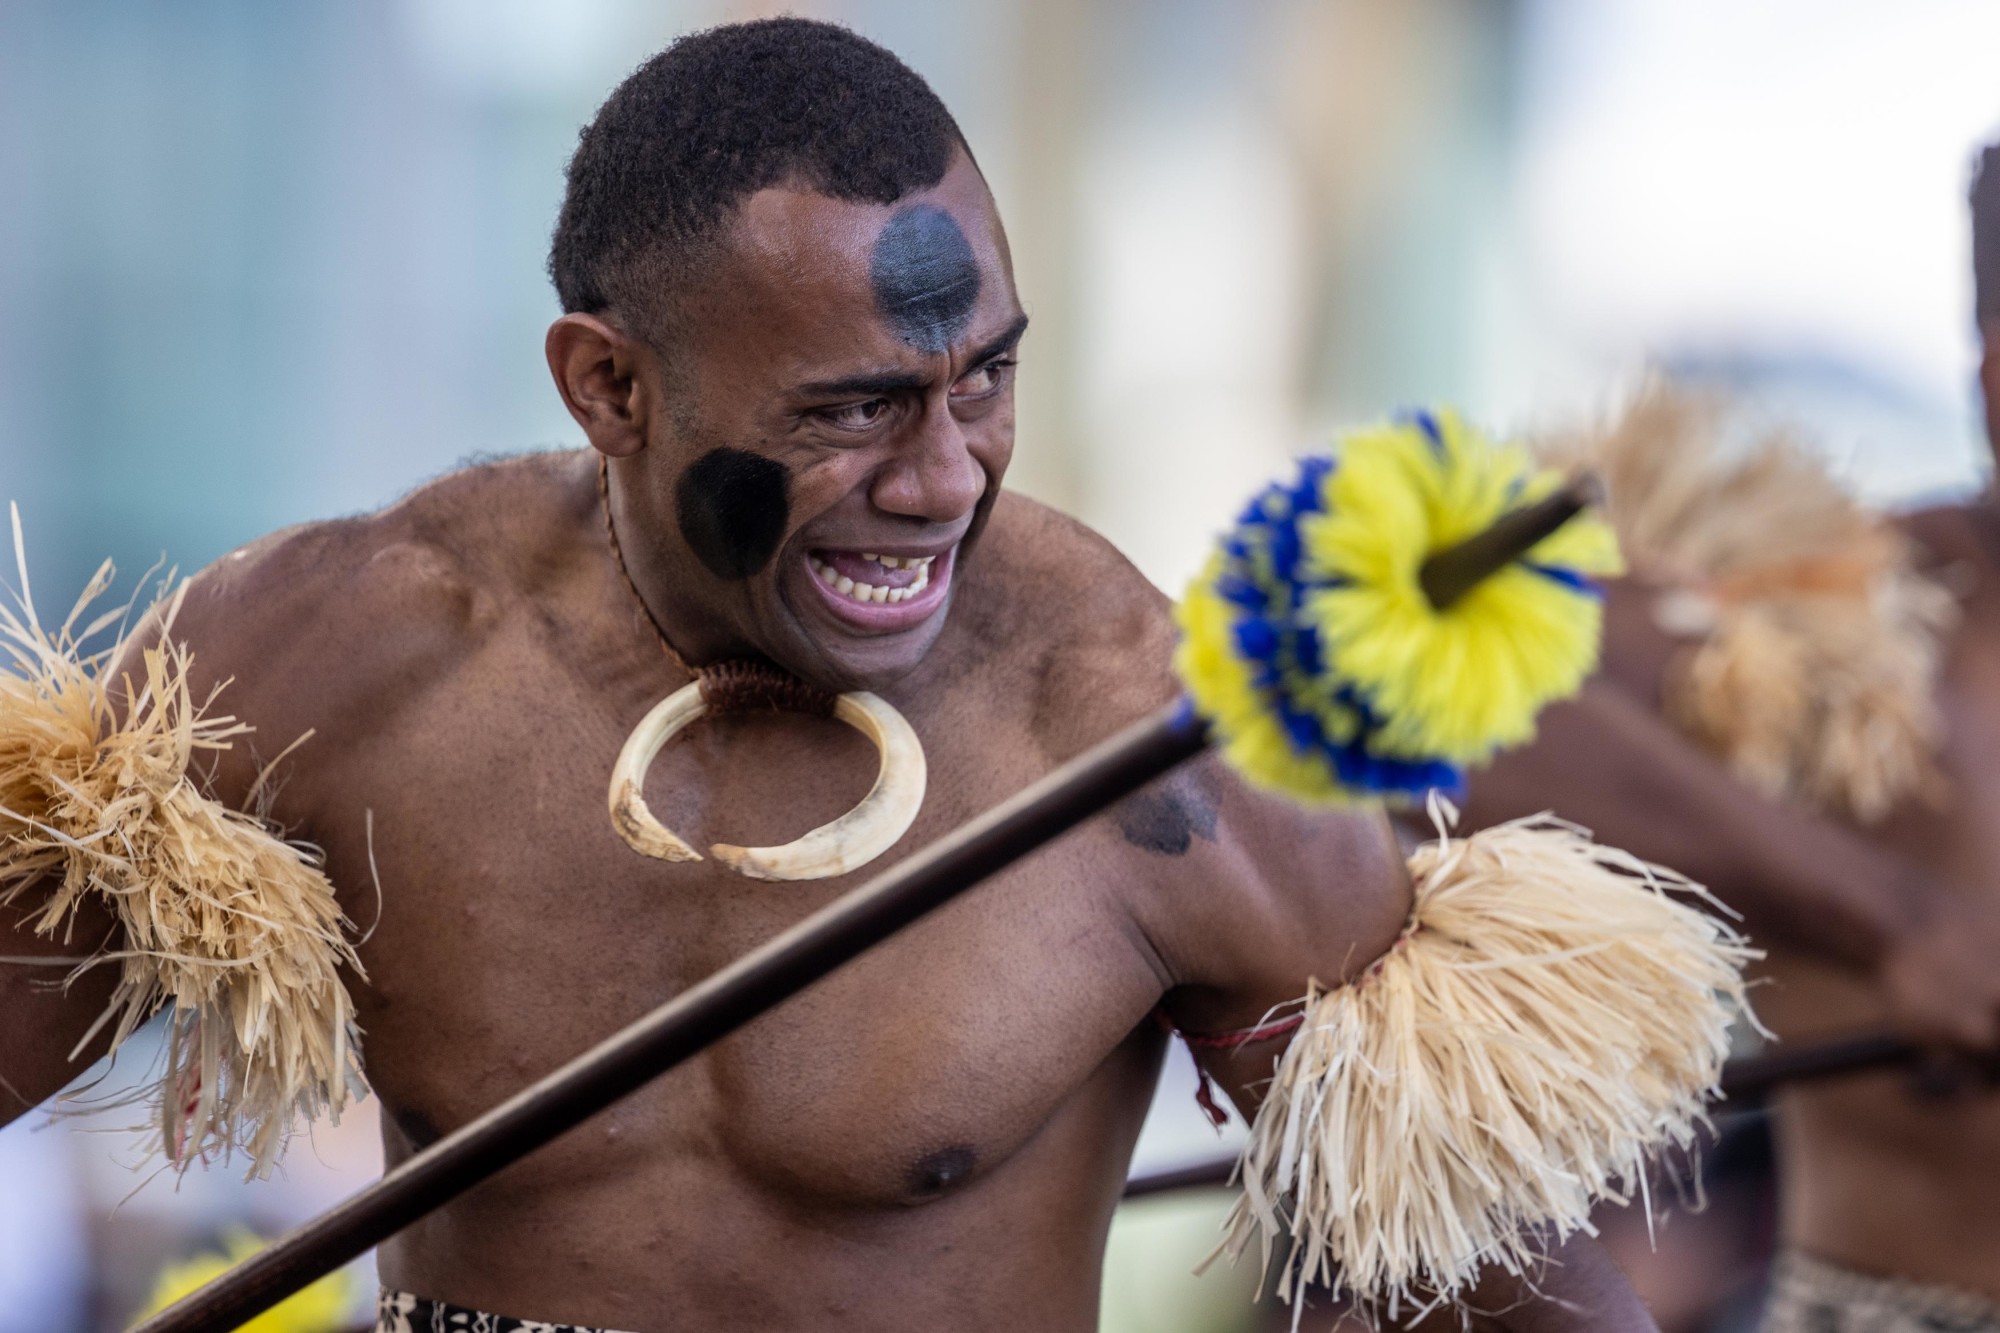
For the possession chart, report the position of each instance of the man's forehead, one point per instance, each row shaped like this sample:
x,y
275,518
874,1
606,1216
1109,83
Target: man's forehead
x,y
917,267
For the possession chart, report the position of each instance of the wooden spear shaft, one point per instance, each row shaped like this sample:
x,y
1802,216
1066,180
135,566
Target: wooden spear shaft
x,y
763,979
1746,1083
692,1021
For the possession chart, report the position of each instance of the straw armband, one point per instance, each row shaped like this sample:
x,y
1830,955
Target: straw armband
x,y
1555,1012
223,923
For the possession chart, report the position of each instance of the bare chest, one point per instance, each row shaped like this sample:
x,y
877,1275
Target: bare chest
x,y
510,928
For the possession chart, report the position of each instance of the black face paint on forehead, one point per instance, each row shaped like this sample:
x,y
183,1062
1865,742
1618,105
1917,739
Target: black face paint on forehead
x,y
733,506
925,277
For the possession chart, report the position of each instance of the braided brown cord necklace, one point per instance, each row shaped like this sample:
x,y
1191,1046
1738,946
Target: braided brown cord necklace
x,y
750,684
734,685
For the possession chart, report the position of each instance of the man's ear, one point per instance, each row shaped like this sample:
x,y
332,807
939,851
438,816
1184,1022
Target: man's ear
x,y
597,371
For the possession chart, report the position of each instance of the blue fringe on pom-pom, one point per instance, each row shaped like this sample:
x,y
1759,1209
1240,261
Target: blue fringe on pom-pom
x,y
1267,582
1309,644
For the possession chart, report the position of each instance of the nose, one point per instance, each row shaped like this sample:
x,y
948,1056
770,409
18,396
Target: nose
x,y
933,475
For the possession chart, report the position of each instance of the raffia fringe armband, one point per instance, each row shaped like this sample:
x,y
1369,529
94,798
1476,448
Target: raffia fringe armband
x,y
1553,1015
225,924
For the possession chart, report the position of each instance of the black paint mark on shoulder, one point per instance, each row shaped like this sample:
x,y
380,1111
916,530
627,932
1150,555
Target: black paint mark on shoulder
x,y
943,1170
733,507
1168,816
925,277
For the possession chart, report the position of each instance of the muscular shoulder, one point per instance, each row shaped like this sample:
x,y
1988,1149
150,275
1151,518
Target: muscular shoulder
x,y
314,622
1092,637
1241,895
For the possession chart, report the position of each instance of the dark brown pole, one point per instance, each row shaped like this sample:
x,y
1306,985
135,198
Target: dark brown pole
x,y
759,982
1211,1174
1755,1077
1936,1072
1746,1082
1456,570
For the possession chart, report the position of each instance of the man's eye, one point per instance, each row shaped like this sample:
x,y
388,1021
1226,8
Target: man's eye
x,y
857,416
982,380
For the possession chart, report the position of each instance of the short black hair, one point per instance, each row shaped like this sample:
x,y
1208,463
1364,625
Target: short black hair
x,y
1986,236
716,117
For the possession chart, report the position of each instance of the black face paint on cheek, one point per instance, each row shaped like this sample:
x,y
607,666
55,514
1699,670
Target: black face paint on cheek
x,y
1165,819
925,277
733,507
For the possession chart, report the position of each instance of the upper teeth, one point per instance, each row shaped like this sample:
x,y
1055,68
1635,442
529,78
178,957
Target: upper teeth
x,y
873,592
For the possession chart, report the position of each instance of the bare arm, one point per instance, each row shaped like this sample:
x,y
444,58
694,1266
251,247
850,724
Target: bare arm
x,y
40,1021
1322,896
1609,762
1580,1289
1245,899
46,1006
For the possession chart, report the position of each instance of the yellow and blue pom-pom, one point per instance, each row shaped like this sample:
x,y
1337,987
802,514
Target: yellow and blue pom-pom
x,y
1325,671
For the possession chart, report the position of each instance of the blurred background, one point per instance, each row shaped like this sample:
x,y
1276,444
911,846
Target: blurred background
x,y
267,263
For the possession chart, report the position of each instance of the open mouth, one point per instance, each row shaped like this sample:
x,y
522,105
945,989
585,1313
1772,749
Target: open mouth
x,y
881,591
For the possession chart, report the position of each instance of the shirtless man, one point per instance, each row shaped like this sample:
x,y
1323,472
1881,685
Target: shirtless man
x,y
791,333
1890,1207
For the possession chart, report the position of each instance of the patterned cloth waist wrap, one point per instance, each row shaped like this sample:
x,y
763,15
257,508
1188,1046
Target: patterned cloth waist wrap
x,y
400,1312
1810,1295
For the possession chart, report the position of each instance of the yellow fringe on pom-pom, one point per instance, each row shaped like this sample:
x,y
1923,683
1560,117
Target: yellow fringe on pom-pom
x,y
1460,683
222,921
323,1307
1815,644
1551,1017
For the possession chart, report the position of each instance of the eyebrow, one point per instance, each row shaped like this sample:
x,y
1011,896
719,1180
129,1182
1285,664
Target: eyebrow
x,y
1001,342
881,384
